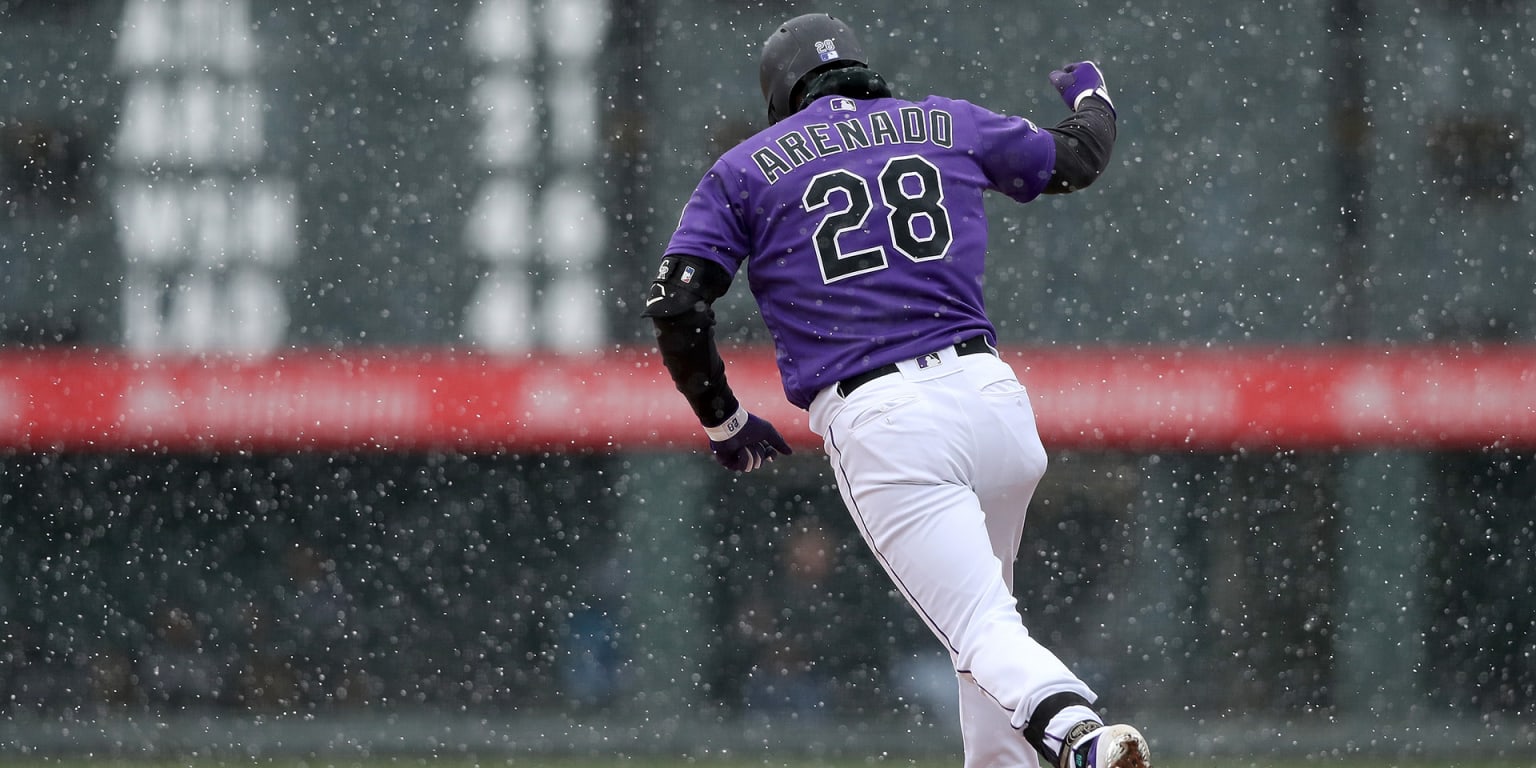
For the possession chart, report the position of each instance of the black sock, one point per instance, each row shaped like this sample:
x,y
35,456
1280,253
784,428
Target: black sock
x,y
1034,732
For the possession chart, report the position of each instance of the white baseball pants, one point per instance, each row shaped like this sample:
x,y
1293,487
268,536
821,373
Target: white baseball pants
x,y
937,465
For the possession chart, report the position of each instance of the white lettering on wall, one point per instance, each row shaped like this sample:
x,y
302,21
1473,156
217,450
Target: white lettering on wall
x,y
204,235
536,221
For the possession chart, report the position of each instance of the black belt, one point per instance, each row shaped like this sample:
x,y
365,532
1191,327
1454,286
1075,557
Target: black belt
x,y
973,346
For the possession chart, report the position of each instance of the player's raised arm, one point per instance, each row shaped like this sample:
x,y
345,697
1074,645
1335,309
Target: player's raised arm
x,y
680,305
1085,140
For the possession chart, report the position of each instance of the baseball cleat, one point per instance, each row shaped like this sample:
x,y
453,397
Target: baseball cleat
x,y
1109,746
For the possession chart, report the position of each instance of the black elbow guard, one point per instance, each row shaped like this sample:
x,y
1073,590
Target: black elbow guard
x,y
684,285
1084,143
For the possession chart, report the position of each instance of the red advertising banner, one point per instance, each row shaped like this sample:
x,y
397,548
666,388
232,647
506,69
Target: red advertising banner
x,y
1137,398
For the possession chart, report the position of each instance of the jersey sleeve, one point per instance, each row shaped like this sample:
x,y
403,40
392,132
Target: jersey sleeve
x,y
712,226
1015,154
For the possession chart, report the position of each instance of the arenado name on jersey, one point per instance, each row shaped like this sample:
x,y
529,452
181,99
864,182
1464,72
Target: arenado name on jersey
x,y
907,125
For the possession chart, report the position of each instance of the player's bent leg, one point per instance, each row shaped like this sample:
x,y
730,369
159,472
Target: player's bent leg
x,y
932,540
1004,491
906,464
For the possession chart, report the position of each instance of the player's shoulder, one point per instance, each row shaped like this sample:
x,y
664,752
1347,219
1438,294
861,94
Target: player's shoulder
x,y
966,114
982,117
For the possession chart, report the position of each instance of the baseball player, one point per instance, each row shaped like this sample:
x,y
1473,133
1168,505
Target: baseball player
x,y
858,216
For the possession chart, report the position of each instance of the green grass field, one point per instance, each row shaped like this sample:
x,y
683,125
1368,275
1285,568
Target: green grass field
x,y
656,762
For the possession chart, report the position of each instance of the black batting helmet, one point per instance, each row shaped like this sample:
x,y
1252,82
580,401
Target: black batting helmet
x,y
798,48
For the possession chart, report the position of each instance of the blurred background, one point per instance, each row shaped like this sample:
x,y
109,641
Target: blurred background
x,y
190,189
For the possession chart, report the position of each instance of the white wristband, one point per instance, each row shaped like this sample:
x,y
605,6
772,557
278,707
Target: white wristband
x,y
1099,92
729,428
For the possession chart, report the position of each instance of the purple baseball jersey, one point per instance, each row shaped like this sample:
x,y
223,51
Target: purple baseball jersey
x,y
862,228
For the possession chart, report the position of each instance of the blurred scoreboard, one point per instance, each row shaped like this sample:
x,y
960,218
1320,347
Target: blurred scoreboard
x,y
229,176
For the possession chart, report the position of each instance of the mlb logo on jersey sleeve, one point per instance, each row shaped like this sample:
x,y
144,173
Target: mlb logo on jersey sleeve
x,y
842,104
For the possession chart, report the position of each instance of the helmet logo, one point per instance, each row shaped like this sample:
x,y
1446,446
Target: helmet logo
x,y
826,49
